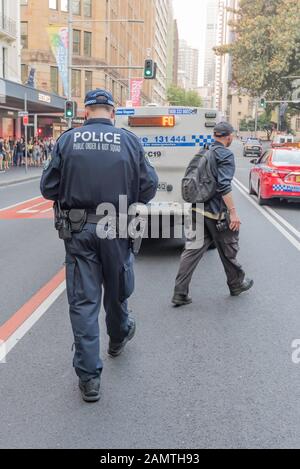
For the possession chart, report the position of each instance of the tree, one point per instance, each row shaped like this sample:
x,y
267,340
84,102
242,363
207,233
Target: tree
x,y
180,97
266,49
264,123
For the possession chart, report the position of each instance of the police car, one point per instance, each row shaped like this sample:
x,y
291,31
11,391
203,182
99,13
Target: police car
x,y
171,137
276,175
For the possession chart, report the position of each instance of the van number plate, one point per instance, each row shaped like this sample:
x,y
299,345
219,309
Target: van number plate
x,y
162,186
154,154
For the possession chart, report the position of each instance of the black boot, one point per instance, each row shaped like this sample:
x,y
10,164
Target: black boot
x,y
115,349
246,285
181,300
90,390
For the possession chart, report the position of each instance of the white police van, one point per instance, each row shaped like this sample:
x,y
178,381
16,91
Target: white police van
x,y
171,137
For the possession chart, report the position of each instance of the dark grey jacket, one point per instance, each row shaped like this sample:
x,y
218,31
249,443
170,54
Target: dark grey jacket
x,y
223,168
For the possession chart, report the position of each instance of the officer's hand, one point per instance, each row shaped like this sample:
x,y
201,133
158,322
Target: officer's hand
x,y
235,222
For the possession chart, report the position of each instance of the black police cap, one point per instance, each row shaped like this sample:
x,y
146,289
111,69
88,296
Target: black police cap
x,y
223,129
99,96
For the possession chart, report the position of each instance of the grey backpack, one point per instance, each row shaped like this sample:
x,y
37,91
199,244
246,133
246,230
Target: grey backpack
x,y
199,184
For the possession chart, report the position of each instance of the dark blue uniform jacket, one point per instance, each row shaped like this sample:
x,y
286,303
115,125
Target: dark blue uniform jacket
x,y
96,164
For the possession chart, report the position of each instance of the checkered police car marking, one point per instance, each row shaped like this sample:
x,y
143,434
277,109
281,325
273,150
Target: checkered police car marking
x,y
177,141
285,188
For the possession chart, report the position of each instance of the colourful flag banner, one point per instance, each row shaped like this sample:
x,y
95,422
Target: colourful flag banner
x,y
136,85
59,40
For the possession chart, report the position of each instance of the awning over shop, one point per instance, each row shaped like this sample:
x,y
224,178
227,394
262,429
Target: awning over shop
x,y
12,96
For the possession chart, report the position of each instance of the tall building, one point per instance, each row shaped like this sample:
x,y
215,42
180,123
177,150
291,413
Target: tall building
x,y
211,41
106,42
188,66
10,40
233,106
173,52
162,15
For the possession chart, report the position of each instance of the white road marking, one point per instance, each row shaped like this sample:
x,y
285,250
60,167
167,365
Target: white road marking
x,y
268,215
15,338
20,203
282,220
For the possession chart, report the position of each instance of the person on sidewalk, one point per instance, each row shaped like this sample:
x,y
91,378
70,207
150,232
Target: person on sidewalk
x,y
221,224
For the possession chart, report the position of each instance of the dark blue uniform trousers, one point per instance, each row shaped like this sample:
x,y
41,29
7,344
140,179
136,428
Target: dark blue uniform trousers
x,y
93,263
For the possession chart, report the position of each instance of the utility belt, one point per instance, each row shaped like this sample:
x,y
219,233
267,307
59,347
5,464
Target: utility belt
x,y
69,222
222,219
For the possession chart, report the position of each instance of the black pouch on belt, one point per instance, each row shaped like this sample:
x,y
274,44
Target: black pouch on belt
x,y
223,223
77,220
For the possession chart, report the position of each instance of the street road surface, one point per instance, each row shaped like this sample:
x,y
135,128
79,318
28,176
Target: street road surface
x,y
218,373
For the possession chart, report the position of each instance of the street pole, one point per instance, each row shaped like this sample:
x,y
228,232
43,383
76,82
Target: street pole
x,y
70,56
256,116
26,135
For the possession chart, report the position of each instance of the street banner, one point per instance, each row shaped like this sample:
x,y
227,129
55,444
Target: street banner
x,y
136,85
59,40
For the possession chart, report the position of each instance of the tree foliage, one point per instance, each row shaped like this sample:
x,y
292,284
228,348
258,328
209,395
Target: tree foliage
x,y
266,47
264,124
181,97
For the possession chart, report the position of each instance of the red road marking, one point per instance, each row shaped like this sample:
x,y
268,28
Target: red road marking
x,y
36,209
30,307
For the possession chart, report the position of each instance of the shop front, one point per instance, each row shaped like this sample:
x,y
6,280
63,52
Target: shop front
x,y
46,110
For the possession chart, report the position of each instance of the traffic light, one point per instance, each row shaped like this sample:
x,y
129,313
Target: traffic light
x,y
263,103
70,109
25,120
150,69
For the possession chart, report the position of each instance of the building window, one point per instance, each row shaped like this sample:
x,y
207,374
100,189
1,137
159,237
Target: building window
x,y
298,124
4,62
54,79
87,44
76,83
88,81
53,4
87,8
24,34
64,5
76,6
76,42
24,73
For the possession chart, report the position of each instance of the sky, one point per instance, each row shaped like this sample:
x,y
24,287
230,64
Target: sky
x,y
191,15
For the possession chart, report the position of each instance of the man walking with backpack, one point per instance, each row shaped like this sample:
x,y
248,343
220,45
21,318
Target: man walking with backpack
x,y
221,222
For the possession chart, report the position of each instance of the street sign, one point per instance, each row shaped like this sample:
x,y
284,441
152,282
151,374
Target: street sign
x,y
22,113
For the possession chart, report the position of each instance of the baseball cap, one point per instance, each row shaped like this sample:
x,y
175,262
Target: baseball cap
x,y
99,96
223,129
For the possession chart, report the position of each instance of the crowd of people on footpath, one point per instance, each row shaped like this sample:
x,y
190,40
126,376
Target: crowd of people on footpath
x,y
12,152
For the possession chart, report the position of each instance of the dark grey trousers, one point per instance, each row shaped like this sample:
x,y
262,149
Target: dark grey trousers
x,y
227,244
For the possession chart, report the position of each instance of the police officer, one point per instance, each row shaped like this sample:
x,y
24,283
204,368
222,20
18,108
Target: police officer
x,y
90,166
221,224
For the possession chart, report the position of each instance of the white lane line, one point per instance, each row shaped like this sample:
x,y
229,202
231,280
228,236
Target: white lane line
x,y
282,220
267,215
20,203
15,338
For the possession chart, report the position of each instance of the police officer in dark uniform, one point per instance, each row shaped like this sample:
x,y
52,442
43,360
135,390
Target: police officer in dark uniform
x,y
221,224
93,165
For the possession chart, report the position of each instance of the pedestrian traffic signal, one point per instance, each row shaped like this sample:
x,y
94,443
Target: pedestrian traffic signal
x,y
70,109
263,103
25,120
150,69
